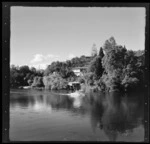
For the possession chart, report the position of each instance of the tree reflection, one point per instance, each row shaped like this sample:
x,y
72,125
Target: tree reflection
x,y
115,115
59,101
112,113
22,101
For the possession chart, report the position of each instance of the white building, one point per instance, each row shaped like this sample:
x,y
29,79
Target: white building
x,y
79,70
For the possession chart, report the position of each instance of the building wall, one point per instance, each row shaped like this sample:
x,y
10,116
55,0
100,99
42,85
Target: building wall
x,y
78,71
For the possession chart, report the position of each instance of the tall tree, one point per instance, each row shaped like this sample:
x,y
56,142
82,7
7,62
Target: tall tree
x,y
96,67
94,50
109,44
101,53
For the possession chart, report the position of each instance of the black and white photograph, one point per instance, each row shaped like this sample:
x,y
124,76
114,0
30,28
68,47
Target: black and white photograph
x,y
77,73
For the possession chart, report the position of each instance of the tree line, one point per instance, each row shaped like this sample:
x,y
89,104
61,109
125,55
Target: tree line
x,y
23,75
112,68
118,69
55,76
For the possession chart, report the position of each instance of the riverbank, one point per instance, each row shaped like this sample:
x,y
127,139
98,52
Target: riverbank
x,y
30,87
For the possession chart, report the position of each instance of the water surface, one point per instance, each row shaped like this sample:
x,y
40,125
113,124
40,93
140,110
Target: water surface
x,y
40,115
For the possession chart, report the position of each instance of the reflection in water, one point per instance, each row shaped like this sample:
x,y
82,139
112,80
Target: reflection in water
x,y
59,102
116,115
21,101
112,113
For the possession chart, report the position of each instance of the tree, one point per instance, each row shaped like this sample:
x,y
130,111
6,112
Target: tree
x,y
123,69
37,82
109,44
24,69
30,82
94,51
33,69
130,83
96,67
22,76
101,53
114,59
54,81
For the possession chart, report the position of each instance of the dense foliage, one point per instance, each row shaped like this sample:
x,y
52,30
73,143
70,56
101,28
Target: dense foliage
x,y
54,82
95,65
119,69
65,68
23,76
113,68
37,82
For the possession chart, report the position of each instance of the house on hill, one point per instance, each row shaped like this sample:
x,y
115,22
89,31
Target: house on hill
x,y
79,70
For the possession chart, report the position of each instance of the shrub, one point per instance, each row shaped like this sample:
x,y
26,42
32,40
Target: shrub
x,y
54,82
37,82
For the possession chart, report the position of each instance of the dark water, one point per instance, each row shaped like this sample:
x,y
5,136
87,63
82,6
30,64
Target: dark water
x,y
45,116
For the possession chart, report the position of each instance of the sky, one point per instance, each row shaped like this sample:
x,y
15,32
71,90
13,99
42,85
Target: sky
x,y
41,35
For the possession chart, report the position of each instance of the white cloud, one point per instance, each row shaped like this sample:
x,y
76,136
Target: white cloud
x,y
37,58
42,61
71,56
41,58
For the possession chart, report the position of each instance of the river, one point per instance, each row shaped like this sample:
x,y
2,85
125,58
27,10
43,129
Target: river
x,y
41,115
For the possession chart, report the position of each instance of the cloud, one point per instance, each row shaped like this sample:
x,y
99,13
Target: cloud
x,y
40,61
71,56
37,58
41,58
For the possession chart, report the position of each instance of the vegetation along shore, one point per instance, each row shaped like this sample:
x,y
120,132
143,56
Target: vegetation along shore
x,y
113,68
